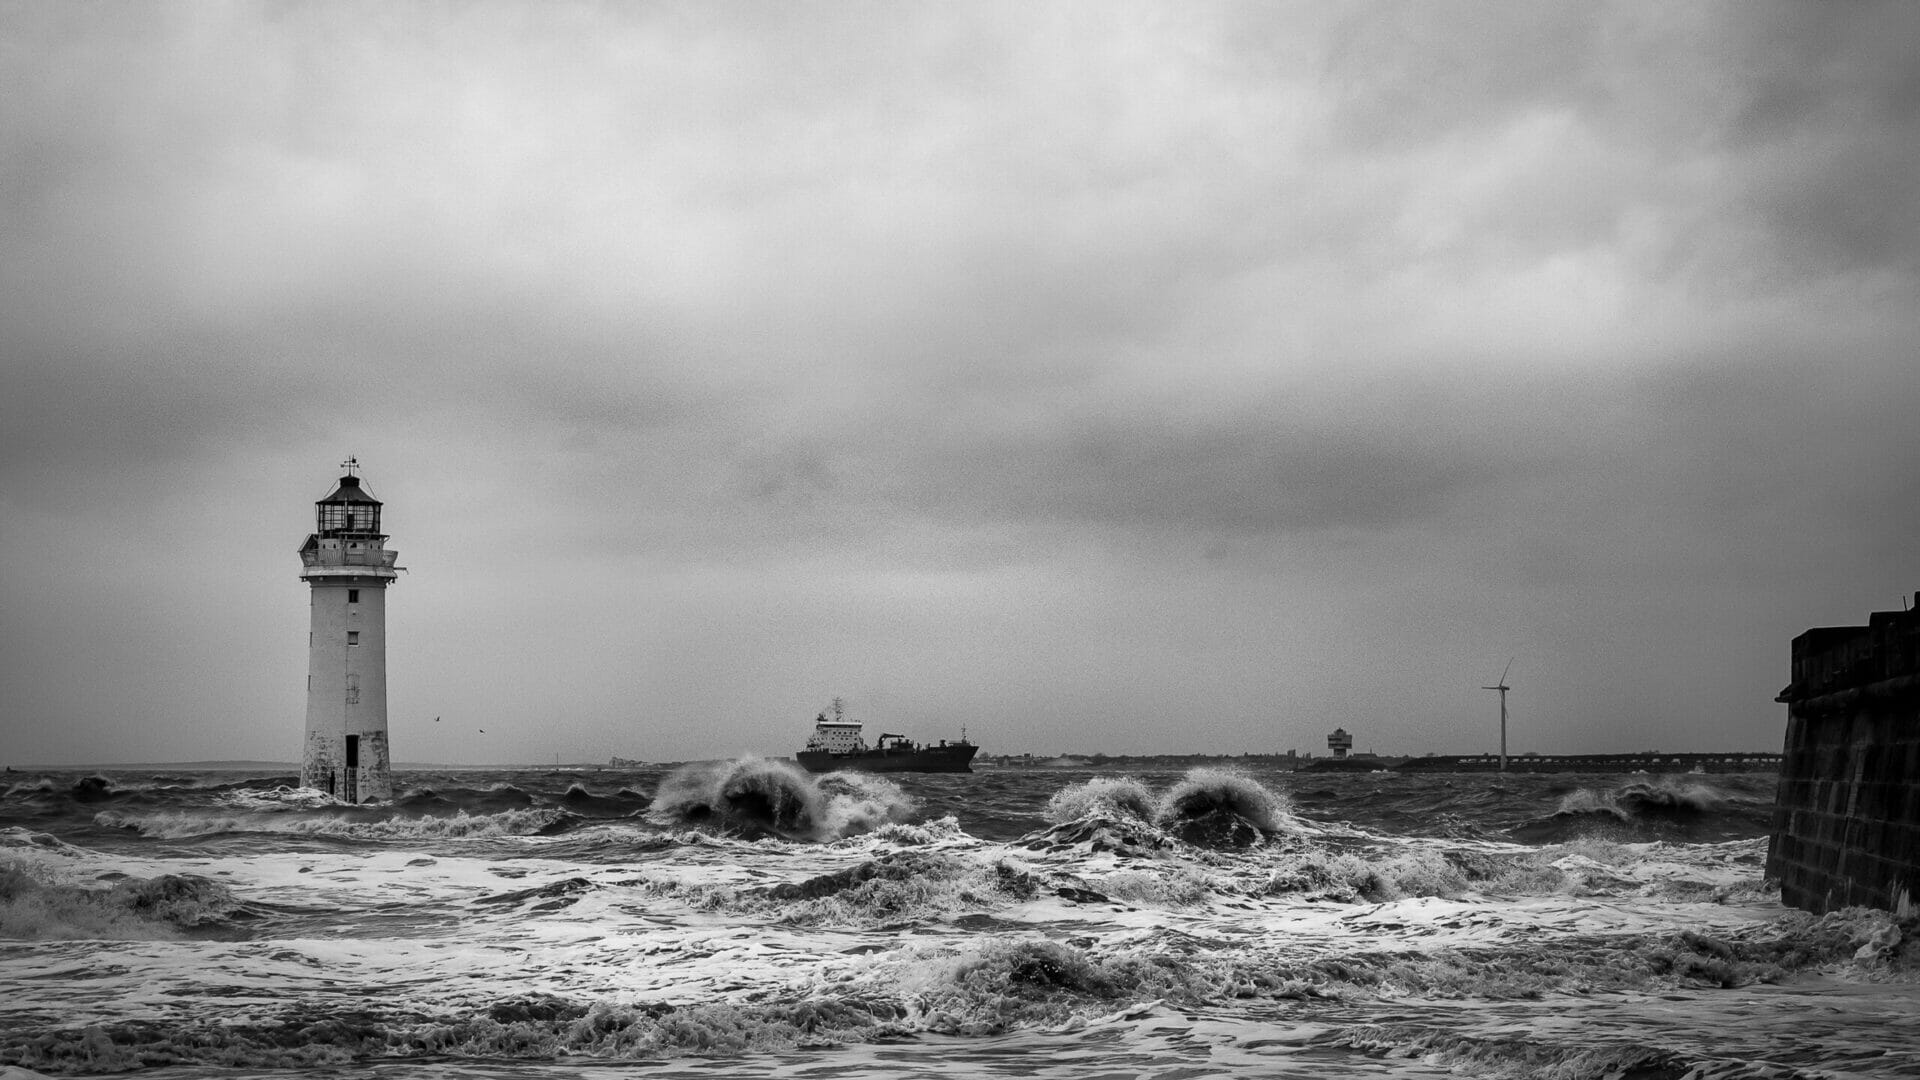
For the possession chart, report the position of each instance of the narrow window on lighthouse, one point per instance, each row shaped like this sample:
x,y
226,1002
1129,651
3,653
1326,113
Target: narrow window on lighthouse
x,y
353,596
353,637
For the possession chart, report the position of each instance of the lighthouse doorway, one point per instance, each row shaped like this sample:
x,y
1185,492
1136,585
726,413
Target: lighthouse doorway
x,y
353,769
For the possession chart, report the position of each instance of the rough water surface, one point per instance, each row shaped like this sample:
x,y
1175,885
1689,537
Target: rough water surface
x,y
743,918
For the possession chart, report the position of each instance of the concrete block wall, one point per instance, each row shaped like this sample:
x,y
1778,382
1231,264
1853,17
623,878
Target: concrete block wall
x,y
1847,813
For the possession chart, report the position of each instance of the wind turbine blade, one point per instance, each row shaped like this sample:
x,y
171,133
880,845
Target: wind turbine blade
x,y
1503,671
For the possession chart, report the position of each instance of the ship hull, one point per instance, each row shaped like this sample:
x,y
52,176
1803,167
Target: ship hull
x,y
953,758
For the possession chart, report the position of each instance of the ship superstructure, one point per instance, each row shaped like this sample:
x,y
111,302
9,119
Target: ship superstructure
x,y
836,744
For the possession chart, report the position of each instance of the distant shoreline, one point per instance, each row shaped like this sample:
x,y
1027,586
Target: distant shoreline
x,y
1102,762
235,765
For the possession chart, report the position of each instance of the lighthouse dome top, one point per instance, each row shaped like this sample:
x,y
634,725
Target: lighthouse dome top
x,y
349,490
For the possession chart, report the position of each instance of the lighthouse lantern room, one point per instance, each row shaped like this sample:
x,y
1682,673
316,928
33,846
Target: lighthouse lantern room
x,y
348,567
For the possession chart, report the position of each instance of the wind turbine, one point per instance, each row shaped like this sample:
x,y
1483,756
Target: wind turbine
x,y
1503,688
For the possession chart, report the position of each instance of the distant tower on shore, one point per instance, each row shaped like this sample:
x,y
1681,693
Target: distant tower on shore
x,y
347,563
1503,688
1340,742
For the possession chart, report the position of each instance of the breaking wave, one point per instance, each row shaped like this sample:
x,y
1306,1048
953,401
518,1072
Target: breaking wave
x,y
1215,808
1102,796
1661,807
91,789
753,796
1211,798
131,909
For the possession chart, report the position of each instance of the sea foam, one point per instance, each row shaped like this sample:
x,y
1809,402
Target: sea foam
x,y
182,824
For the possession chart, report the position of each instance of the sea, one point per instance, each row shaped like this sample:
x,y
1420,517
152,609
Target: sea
x,y
743,918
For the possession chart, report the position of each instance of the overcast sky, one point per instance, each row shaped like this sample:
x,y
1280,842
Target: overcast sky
x,y
1191,377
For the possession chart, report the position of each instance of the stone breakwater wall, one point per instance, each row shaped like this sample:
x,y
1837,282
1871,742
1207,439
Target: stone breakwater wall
x,y
1847,813
1647,762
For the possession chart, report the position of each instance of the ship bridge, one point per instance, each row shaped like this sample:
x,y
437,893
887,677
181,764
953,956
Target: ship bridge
x,y
836,736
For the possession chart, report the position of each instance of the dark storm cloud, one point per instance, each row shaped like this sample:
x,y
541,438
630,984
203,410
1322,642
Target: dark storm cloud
x,y
1405,74
1797,448
1248,473
1816,109
1539,318
1762,136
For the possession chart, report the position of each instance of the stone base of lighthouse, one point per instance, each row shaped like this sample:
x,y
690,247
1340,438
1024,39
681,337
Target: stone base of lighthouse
x,y
351,767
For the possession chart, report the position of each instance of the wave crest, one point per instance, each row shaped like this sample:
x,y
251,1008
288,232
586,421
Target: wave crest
x,y
753,796
132,909
94,788
278,798
1650,808
1208,807
1222,808
1102,796
1663,797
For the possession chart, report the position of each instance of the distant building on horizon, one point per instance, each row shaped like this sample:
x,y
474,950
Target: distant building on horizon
x,y
1340,742
348,567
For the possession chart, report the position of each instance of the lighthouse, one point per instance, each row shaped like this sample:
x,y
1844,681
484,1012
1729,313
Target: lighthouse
x,y
348,566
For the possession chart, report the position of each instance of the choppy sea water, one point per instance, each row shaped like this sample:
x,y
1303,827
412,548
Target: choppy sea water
x,y
745,919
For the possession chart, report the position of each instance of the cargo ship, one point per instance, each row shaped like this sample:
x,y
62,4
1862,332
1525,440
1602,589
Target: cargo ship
x,y
836,745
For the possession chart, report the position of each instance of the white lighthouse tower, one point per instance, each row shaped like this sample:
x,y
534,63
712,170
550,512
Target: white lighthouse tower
x,y
348,565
